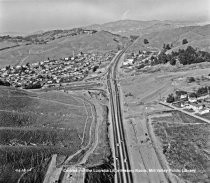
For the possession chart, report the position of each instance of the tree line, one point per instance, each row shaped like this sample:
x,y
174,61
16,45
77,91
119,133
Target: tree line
x,y
184,56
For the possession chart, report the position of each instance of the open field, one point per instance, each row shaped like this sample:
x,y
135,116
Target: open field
x,y
36,125
141,93
185,144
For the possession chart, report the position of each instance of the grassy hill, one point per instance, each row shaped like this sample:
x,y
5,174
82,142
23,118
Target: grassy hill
x,y
35,125
197,36
56,44
137,27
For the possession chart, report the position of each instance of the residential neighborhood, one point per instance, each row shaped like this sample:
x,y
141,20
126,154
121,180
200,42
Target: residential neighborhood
x,y
139,60
53,72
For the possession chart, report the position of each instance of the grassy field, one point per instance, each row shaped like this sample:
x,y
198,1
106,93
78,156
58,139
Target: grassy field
x,y
36,125
184,141
197,36
102,152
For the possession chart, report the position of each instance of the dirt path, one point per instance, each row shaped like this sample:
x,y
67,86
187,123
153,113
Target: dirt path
x,y
52,171
22,61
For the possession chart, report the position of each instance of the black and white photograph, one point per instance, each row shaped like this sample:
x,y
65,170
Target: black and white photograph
x,y
104,91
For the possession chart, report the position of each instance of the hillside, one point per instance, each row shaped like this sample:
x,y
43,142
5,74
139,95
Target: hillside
x,y
197,36
56,45
137,27
34,126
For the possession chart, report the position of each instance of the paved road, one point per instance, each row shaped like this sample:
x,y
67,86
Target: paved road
x,y
188,113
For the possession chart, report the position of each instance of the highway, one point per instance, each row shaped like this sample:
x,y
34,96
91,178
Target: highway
x,y
121,157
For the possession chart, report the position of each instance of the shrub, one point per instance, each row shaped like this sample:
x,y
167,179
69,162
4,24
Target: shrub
x,y
184,41
190,79
170,98
146,41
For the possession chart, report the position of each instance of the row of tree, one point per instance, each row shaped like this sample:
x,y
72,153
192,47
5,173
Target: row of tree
x,y
198,93
4,83
184,41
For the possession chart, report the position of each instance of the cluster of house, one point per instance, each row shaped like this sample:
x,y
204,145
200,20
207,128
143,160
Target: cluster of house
x,y
140,59
54,72
190,101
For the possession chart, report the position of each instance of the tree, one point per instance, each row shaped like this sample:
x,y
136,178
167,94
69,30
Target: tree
x,y
173,61
184,41
162,58
170,98
133,37
4,83
190,79
95,68
8,67
187,56
168,47
36,85
146,41
201,91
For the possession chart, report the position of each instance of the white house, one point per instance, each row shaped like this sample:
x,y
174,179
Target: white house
x,y
195,107
192,99
183,96
128,61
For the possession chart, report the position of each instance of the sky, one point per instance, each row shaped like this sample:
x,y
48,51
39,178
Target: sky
x,y
27,16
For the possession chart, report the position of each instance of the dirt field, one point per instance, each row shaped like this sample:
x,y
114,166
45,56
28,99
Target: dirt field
x,y
141,93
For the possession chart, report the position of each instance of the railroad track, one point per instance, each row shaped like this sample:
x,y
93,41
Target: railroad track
x,y
121,159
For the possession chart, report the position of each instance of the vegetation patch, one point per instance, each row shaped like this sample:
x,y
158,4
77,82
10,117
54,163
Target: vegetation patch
x,y
185,145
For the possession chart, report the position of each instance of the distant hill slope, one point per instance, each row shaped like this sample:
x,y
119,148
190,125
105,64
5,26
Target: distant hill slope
x,y
60,46
197,36
136,27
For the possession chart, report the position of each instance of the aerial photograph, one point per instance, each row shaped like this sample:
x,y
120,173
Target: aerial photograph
x,y
104,91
